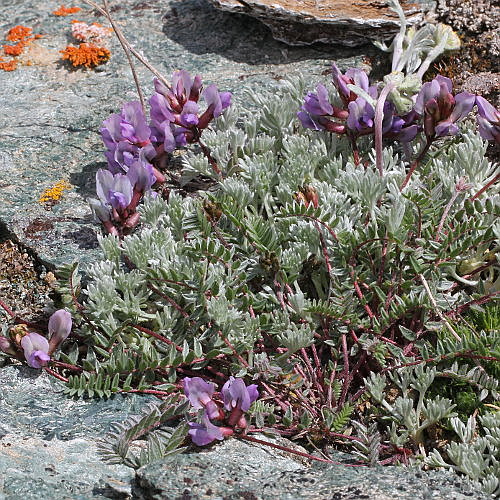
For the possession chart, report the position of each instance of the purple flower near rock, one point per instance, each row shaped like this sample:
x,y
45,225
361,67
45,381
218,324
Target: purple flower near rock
x,y
175,112
127,137
59,327
204,433
36,350
440,109
488,120
317,111
141,176
237,395
114,190
200,394
353,76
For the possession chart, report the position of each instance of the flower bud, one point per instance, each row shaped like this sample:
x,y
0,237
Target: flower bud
x,y
59,328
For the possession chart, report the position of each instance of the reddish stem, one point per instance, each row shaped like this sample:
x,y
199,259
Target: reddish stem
x,y
7,309
55,374
67,366
485,187
347,379
210,158
171,301
157,336
226,341
295,452
416,163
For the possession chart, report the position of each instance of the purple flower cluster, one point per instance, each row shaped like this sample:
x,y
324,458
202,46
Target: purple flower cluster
x,y
488,120
441,110
36,348
133,146
436,110
237,399
357,115
127,138
176,118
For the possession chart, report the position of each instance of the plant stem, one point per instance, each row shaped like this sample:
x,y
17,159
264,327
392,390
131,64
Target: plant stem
x,y
125,48
7,309
379,117
210,158
485,187
416,163
134,52
55,374
445,214
157,336
438,312
295,452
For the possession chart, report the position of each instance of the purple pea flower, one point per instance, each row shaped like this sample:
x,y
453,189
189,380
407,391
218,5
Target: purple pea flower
x,y
204,433
36,350
217,103
59,327
317,110
200,394
175,112
488,120
402,128
440,109
114,190
353,76
126,136
141,176
237,395
361,116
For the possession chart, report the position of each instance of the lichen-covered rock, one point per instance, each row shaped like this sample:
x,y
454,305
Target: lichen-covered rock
x,y
51,112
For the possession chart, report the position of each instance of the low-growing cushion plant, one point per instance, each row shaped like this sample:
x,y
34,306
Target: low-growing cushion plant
x,y
335,264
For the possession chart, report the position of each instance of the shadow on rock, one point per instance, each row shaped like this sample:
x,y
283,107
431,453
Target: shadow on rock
x,y
84,180
201,29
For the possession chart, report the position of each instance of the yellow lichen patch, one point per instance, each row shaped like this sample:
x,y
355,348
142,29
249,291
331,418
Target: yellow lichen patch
x,y
53,195
86,54
66,11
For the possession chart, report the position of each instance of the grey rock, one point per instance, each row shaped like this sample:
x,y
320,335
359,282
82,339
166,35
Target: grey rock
x,y
51,113
48,450
304,22
48,442
241,470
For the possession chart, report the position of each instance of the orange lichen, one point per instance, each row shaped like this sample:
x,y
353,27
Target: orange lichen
x,y
23,36
86,54
54,194
8,65
66,11
13,50
18,33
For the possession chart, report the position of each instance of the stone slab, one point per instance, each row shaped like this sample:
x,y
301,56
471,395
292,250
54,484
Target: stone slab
x,y
304,22
48,442
51,114
241,470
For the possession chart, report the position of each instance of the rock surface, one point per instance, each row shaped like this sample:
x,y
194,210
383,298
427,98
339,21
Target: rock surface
x,y
239,470
303,22
48,441
51,113
48,450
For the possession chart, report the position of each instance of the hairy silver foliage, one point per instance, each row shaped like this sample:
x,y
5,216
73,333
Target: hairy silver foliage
x,y
296,261
477,454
